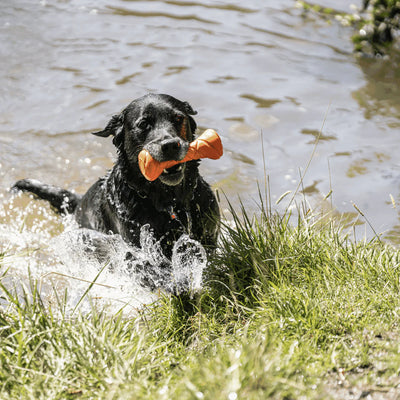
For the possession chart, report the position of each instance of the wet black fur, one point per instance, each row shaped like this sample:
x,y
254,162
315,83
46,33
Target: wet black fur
x,y
123,200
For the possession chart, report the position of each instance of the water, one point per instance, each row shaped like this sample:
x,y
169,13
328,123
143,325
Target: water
x,y
72,260
255,71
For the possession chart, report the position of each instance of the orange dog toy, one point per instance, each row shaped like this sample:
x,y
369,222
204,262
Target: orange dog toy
x,y
208,145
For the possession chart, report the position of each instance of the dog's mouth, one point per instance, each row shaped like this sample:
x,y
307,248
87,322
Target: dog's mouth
x,y
173,176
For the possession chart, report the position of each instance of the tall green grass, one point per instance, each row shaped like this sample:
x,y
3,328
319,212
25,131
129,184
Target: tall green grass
x,y
288,311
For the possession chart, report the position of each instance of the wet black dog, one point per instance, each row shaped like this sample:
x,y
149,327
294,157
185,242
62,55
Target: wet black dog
x,y
123,201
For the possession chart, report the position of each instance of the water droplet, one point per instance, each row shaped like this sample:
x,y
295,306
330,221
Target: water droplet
x,y
232,396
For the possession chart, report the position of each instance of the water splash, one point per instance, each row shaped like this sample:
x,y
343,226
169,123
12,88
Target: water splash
x,y
40,246
188,262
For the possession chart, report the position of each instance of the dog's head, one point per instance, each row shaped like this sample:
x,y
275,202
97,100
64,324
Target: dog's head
x,y
158,123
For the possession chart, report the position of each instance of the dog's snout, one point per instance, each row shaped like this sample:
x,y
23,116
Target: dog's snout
x,y
171,147
168,148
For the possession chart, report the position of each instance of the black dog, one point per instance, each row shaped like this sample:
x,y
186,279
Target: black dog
x,y
123,201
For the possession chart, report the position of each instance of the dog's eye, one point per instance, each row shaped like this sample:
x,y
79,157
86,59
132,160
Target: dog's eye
x,y
179,119
144,124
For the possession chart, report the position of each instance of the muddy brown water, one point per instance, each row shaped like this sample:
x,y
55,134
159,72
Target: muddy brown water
x,y
255,71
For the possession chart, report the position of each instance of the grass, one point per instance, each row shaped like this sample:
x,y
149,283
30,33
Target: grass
x,y
287,312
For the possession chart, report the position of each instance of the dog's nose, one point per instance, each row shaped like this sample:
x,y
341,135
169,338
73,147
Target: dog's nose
x,y
171,148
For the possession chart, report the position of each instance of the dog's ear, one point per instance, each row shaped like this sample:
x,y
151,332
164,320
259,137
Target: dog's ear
x,y
193,125
113,127
189,111
188,108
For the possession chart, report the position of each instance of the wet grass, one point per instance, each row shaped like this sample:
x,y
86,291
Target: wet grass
x,y
288,311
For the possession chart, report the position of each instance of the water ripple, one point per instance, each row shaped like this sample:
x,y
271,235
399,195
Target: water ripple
x,y
224,7
155,14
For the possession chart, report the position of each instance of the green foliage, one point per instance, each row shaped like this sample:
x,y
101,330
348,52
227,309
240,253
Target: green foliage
x,y
378,30
286,312
377,24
